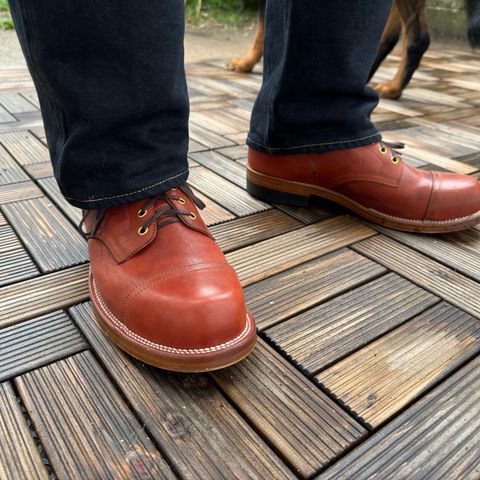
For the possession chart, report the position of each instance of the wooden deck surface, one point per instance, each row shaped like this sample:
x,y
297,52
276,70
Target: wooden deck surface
x,y
367,364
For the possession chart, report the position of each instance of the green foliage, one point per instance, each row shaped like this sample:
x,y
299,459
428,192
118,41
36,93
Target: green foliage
x,y
223,12
6,22
4,6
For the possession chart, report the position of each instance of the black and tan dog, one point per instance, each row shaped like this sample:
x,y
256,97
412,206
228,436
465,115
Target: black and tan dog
x,y
407,19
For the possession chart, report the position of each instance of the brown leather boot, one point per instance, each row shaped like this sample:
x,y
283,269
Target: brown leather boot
x,y
374,182
161,288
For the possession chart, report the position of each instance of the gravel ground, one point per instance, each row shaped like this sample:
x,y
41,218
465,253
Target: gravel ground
x,y
200,44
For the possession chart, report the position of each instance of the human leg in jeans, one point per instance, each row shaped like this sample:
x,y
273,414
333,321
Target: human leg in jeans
x,y
111,83
311,133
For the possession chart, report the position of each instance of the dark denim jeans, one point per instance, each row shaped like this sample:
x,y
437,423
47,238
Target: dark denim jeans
x,y
111,83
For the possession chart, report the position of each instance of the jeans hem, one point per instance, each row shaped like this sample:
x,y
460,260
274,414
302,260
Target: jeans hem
x,y
318,147
129,197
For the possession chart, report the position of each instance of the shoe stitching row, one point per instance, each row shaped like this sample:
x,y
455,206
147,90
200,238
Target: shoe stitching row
x,y
407,220
165,348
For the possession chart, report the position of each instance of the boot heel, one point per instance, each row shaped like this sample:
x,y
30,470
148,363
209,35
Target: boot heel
x,y
276,196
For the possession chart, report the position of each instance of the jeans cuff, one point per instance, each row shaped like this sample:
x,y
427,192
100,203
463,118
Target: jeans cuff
x,y
152,190
316,146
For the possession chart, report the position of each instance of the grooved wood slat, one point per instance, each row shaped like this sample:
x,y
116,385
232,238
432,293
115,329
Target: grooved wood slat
x,y
24,147
233,171
34,343
290,292
229,196
52,241
322,335
382,378
309,215
44,294
266,258
5,116
19,458
10,171
51,188
15,263
254,228
85,426
436,438
14,192
303,424
461,256
197,429
213,213
40,170
15,103
207,138
429,274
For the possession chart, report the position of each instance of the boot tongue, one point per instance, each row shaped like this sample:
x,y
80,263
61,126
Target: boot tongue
x,y
119,230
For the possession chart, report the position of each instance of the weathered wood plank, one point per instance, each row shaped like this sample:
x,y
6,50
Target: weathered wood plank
x,y
15,263
51,240
228,195
44,294
232,171
384,377
19,458
323,335
302,423
429,274
15,103
14,192
288,293
86,428
213,213
256,262
252,229
201,434
435,438
10,171
37,342
24,147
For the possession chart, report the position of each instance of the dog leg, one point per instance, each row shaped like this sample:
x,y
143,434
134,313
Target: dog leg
x,y
390,38
416,41
253,56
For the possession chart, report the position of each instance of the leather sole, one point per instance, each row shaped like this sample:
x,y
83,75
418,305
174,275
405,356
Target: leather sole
x,y
168,358
279,190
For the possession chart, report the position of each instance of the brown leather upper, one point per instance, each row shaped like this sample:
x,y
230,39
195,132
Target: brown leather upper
x,y
378,181
172,287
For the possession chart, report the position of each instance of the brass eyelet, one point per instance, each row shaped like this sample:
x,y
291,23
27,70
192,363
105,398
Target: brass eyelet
x,y
394,160
383,150
141,213
181,200
142,230
192,215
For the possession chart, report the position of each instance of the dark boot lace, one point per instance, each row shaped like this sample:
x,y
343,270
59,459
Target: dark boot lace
x,y
163,217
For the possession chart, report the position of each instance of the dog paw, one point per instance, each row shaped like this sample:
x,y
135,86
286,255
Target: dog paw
x,y
240,65
387,90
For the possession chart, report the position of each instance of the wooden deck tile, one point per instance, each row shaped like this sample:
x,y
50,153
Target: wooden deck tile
x,y
232,171
19,458
289,293
325,334
50,186
31,298
302,423
384,377
15,263
15,103
256,262
40,170
429,274
228,195
202,435
52,241
213,213
24,147
10,171
14,192
85,426
436,438
461,256
37,342
208,138
252,229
